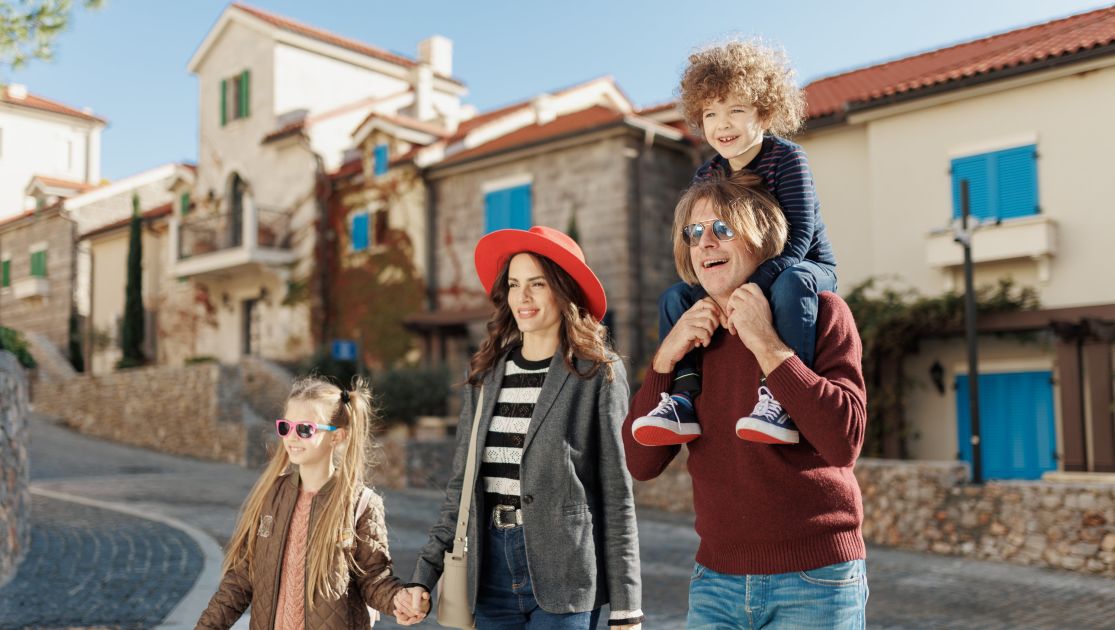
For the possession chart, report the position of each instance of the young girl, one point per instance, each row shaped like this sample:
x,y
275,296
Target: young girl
x,y
310,549
551,529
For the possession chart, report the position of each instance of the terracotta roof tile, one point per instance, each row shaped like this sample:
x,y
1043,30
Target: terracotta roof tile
x,y
985,56
63,183
594,116
47,105
306,30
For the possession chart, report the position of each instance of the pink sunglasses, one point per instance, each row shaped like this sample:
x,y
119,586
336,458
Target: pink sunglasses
x,y
304,430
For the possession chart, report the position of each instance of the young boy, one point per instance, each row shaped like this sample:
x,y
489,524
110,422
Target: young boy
x,y
741,97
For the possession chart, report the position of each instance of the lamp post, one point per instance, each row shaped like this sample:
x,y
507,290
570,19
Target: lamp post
x,y
964,237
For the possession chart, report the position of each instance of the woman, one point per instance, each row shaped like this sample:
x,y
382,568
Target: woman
x,y
551,531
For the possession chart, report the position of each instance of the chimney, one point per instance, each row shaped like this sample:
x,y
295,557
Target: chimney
x,y
437,52
544,110
17,91
423,80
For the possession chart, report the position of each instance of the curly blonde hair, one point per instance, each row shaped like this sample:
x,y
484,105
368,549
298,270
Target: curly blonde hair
x,y
757,73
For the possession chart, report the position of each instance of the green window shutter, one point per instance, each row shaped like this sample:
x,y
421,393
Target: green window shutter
x,y
6,273
244,100
184,200
38,264
224,102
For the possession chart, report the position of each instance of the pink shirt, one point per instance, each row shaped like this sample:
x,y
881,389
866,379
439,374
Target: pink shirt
x,y
290,614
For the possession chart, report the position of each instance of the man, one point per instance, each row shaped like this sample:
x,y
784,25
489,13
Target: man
x,y
780,525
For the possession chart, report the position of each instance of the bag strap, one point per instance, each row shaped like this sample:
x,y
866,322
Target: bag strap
x,y
460,540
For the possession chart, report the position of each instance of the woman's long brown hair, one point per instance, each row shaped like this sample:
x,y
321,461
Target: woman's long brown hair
x,y
581,335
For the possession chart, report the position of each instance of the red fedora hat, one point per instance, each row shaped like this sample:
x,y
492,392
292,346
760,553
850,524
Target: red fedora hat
x,y
493,250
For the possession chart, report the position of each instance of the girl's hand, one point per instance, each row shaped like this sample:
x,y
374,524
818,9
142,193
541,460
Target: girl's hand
x,y
411,605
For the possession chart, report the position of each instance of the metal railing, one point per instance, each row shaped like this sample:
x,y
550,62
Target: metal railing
x,y
205,233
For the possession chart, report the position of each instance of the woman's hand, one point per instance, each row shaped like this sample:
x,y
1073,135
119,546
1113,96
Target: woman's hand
x,y
694,328
411,605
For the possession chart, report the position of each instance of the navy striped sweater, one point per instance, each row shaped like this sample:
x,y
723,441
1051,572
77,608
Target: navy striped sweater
x,y
785,171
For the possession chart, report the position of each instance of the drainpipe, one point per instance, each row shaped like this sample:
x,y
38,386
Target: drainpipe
x,y
636,221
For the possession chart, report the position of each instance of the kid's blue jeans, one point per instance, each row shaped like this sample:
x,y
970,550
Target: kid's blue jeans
x,y
793,301
828,598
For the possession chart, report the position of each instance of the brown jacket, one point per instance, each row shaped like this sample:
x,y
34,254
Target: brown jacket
x,y
376,587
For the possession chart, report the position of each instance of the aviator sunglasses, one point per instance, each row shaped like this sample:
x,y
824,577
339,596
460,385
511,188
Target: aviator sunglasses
x,y
304,430
693,232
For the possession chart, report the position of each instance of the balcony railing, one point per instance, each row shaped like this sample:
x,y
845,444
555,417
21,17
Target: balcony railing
x,y
253,228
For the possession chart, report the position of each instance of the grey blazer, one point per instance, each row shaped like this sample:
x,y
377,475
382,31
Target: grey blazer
x,y
582,546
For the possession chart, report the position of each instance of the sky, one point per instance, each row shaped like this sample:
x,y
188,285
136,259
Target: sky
x,y
127,61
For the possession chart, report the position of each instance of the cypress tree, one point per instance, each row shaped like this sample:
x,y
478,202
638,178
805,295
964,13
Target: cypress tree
x,y
131,338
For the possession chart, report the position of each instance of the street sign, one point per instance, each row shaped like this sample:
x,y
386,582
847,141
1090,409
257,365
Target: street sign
x,y
344,350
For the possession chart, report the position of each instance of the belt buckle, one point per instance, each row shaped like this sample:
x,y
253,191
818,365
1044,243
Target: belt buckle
x,y
497,516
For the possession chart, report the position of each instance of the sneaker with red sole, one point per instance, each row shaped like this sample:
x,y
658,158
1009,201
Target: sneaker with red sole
x,y
768,422
671,422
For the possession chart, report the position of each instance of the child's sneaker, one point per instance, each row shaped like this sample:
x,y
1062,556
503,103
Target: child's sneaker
x,y
673,421
768,422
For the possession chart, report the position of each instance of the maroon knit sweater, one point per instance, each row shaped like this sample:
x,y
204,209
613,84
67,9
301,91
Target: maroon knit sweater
x,y
761,508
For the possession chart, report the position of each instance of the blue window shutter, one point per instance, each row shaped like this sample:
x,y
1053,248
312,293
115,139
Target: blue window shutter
x,y
381,158
496,210
1001,184
1017,179
359,234
520,218
974,169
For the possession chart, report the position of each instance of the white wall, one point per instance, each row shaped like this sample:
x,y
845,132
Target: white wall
x,y
884,184
306,80
42,144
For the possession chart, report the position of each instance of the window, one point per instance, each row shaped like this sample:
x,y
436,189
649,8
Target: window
x,y
184,203
235,98
38,263
507,208
358,234
1001,184
381,159
5,273
379,227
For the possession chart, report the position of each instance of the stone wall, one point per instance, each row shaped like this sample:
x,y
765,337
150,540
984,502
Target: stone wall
x,y
196,410
928,506
15,499
47,314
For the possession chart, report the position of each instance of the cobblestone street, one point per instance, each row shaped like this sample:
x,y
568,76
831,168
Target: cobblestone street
x,y
95,567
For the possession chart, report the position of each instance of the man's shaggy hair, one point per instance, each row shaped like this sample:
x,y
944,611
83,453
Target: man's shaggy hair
x,y
757,74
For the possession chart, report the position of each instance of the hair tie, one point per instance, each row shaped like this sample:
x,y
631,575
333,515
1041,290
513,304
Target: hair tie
x,y
344,396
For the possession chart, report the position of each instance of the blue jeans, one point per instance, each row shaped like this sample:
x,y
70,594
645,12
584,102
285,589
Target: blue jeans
x,y
793,298
506,595
828,598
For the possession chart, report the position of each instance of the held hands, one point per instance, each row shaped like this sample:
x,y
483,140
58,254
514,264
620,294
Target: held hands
x,y
693,329
411,605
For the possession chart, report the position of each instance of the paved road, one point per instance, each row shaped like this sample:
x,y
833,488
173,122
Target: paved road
x,y
908,590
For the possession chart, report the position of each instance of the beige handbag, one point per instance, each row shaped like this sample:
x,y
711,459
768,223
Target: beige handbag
x,y
452,591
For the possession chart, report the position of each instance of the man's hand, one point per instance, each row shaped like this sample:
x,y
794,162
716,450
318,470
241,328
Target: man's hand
x,y
693,329
411,605
750,319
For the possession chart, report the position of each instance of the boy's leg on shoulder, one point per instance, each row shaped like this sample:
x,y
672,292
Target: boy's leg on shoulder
x,y
674,420
793,297
673,303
